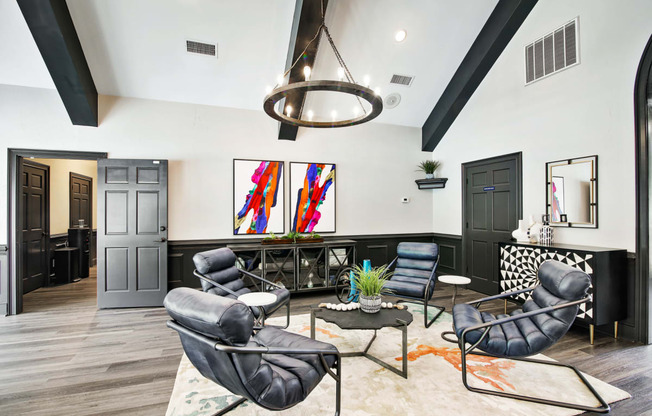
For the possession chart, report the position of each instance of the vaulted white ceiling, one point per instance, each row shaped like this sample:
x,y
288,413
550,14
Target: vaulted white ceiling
x,y
137,48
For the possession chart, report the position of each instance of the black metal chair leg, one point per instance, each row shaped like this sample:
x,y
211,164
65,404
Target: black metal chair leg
x,y
230,407
604,406
425,314
338,387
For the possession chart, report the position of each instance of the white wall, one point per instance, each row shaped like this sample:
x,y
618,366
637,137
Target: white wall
x,y
375,162
60,190
582,111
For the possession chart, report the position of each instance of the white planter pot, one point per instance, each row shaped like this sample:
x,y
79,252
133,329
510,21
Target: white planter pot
x,y
430,176
370,304
520,234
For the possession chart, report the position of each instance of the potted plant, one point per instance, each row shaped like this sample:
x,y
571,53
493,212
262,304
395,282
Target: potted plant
x,y
371,283
429,167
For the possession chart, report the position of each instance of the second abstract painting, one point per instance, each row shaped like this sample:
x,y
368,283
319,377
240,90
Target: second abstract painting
x,y
312,197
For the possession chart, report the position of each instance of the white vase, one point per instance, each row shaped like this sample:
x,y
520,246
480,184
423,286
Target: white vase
x,y
370,304
535,230
520,234
430,176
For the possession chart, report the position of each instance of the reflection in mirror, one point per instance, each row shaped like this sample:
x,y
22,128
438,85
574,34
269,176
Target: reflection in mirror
x,y
571,195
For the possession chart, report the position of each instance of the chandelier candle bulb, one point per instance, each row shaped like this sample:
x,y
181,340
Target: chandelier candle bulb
x,y
340,73
310,115
288,110
268,89
366,81
356,111
279,80
334,114
306,72
377,90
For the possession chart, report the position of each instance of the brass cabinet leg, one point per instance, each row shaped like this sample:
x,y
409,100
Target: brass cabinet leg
x,y
505,306
591,328
615,329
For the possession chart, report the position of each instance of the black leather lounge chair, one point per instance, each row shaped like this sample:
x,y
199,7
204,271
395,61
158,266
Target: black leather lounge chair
x,y
414,275
542,321
219,276
272,368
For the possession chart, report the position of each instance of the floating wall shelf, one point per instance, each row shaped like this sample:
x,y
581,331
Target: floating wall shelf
x,y
436,183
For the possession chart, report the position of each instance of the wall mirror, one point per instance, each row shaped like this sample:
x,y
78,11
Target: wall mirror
x,y
572,192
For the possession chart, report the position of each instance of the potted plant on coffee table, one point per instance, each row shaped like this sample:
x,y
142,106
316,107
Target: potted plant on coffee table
x,y
371,284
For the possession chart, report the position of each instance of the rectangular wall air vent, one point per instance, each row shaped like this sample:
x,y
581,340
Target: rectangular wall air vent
x,y
552,52
209,49
401,80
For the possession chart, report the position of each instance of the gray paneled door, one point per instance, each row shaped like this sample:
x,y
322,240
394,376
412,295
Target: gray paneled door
x,y
131,232
492,208
35,224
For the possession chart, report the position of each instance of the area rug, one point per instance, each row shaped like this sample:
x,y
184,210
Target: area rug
x,y
434,384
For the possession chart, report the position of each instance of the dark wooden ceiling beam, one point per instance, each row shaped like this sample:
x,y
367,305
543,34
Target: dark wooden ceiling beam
x,y
497,32
56,38
307,19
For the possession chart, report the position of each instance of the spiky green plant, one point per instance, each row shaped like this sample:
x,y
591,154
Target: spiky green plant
x,y
372,282
292,235
429,166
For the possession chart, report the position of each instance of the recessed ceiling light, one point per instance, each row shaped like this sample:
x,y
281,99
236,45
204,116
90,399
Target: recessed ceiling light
x,y
400,36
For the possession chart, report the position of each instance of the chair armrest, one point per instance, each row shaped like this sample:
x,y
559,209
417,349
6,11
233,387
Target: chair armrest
x,y
389,266
262,279
215,284
500,296
526,315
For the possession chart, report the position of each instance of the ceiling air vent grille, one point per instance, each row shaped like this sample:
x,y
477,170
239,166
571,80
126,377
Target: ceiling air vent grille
x,y
552,52
209,49
401,80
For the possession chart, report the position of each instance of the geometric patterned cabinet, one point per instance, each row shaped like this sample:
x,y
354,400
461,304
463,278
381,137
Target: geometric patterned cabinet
x,y
519,263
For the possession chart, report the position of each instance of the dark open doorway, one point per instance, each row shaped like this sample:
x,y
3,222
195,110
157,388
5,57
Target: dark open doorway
x,y
643,128
492,204
13,284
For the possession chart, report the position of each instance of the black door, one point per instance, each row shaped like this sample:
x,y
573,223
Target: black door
x,y
492,208
132,214
35,224
81,200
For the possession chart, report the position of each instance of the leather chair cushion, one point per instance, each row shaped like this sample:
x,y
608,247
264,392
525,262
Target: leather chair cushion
x,y
236,286
228,320
406,287
279,381
212,260
418,251
416,273
414,264
564,281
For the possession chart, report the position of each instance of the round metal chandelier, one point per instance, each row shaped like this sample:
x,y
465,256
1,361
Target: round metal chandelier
x,y
345,85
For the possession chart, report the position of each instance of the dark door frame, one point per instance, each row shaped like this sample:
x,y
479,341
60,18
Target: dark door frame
x,y
643,132
46,226
518,157
14,285
90,198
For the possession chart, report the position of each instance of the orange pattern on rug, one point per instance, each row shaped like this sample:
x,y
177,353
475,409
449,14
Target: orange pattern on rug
x,y
326,332
487,369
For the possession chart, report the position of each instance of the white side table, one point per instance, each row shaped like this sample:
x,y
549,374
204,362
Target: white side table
x,y
455,281
257,298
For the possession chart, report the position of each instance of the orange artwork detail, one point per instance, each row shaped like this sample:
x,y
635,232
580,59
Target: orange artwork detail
x,y
487,369
326,332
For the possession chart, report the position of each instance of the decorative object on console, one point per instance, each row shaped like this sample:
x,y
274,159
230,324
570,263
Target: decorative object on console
x,y
293,238
534,231
572,192
520,234
259,207
312,197
370,281
295,117
545,236
429,167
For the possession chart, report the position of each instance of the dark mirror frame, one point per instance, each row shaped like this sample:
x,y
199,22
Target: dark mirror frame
x,y
594,191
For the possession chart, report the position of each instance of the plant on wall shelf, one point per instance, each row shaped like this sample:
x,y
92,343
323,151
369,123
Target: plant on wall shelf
x,y
429,167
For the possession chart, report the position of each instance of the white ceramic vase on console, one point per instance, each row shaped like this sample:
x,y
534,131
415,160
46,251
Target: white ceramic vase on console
x,y
520,234
534,230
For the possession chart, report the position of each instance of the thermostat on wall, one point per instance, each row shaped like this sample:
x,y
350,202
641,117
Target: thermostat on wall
x,y
405,200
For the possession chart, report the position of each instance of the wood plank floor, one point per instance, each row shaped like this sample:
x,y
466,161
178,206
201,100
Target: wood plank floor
x,y
62,356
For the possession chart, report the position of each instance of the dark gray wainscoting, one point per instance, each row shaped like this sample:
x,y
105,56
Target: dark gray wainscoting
x,y
4,280
379,248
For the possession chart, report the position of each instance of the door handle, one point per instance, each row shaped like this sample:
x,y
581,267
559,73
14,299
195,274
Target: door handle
x,y
162,240
163,228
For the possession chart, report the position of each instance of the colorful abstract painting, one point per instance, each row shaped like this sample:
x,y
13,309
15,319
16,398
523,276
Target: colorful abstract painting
x,y
312,197
558,201
258,197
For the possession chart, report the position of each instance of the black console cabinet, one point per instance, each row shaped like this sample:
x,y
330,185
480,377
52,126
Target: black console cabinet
x,y
81,238
519,263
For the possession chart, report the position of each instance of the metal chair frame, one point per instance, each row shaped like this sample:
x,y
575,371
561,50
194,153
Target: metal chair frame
x,y
425,300
604,407
260,321
337,375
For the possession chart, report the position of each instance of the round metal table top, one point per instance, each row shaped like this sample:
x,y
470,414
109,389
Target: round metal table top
x,y
257,298
454,280
356,319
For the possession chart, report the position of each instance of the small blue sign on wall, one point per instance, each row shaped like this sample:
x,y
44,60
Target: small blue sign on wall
x,y
488,188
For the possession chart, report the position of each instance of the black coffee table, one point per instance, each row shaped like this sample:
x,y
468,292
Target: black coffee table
x,y
357,319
